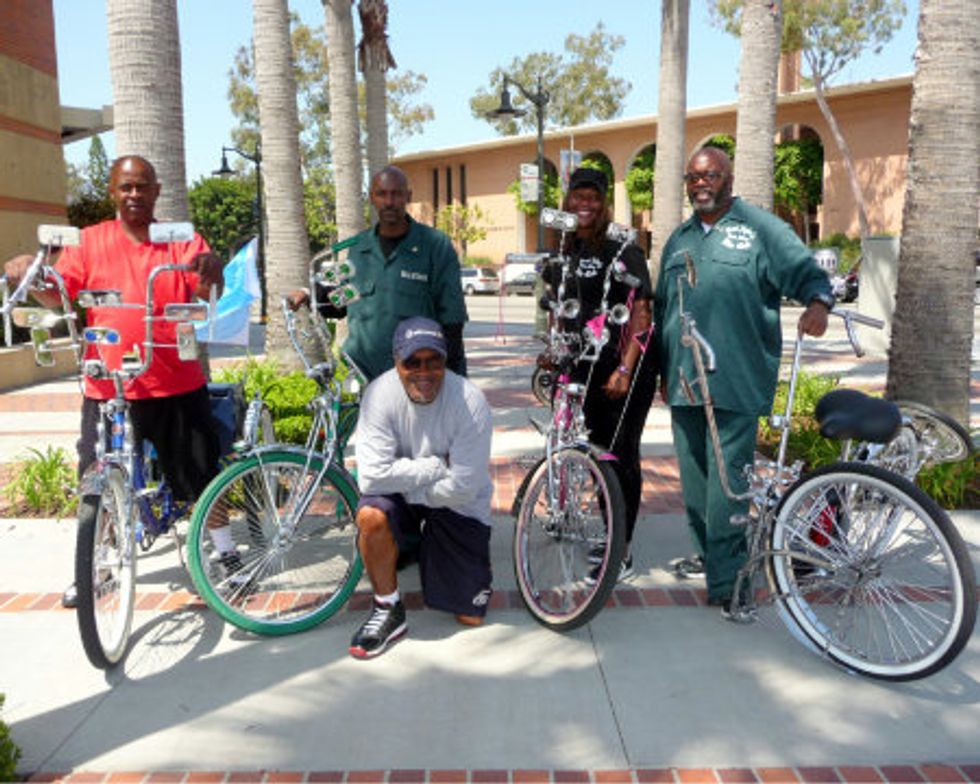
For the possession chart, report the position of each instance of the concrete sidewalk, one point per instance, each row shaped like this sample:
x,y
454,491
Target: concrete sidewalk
x,y
657,688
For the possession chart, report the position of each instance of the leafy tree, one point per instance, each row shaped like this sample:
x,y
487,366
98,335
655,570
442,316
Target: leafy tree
x,y
407,117
223,211
640,178
319,198
579,84
723,142
798,177
830,34
89,201
552,193
462,223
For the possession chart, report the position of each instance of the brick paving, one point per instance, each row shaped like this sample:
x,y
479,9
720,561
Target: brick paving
x,y
932,772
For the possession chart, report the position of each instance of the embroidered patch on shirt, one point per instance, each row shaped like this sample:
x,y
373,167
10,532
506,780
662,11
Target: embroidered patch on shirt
x,y
409,275
738,237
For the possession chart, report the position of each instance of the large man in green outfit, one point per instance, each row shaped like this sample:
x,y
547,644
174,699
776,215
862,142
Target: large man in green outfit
x,y
401,269
746,260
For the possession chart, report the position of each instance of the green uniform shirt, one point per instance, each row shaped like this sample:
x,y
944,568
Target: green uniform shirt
x,y
745,264
420,278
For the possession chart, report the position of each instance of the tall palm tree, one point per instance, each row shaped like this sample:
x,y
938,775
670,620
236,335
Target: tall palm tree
x,y
762,27
148,106
668,190
929,358
374,58
287,246
345,136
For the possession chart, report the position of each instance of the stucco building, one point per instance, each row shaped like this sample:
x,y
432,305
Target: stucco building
x,y
873,116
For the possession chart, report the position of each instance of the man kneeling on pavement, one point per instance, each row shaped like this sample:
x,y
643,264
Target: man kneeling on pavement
x,y
423,457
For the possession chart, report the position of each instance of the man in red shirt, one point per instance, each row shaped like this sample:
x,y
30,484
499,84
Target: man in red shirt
x,y
169,403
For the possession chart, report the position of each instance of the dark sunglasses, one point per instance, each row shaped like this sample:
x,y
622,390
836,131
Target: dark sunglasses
x,y
414,363
710,177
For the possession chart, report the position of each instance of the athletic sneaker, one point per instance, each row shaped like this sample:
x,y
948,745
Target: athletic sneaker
x,y
625,570
685,568
385,626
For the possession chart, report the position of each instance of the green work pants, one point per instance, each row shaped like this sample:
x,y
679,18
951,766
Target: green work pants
x,y
709,510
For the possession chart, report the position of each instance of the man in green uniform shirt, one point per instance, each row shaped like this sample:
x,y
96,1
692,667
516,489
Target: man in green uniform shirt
x,y
401,269
746,260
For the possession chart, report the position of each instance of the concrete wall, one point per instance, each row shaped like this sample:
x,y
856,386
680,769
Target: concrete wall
x,y
874,118
32,167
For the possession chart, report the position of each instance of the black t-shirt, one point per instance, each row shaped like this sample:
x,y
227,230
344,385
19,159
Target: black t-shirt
x,y
585,281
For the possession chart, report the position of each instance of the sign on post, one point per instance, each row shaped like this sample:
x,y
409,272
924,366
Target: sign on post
x,y
529,182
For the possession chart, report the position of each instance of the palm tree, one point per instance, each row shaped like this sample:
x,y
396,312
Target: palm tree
x,y
148,107
668,191
929,358
374,58
287,245
345,137
762,27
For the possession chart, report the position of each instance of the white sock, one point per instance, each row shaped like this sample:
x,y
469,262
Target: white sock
x,y
389,600
222,539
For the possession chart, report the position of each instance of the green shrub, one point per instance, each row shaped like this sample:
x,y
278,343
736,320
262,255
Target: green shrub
x,y
478,261
952,485
44,484
9,752
287,396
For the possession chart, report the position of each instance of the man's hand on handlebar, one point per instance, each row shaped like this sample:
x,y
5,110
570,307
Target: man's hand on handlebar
x,y
15,269
211,270
813,321
297,299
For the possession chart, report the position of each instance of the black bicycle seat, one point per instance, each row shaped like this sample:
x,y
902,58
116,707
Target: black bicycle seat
x,y
847,413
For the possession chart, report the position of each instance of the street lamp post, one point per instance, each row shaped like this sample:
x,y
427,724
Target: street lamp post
x,y
226,171
506,111
539,100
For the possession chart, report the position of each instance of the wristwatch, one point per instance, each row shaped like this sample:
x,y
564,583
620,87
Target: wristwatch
x,y
824,299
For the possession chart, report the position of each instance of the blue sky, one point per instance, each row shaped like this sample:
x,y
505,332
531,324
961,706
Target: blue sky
x,y
455,43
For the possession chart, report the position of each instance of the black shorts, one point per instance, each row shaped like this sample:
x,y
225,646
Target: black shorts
x,y
180,430
454,552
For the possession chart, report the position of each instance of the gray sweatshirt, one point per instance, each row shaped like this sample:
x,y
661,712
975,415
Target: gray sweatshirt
x,y
437,455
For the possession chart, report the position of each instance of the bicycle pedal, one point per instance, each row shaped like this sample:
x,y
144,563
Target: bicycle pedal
x,y
742,615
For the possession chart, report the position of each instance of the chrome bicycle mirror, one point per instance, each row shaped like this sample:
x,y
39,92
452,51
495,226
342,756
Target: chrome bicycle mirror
x,y
41,340
39,318
569,309
619,314
617,232
162,233
59,236
97,298
556,219
186,341
185,311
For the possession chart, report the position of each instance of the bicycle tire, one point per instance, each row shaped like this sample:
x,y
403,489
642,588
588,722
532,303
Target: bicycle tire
x,y
559,585
893,595
295,573
105,572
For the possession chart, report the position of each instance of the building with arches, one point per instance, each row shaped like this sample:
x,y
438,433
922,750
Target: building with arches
x,y
873,116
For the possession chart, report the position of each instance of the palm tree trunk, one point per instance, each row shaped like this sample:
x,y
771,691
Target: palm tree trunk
x,y
668,190
345,135
374,59
148,108
845,150
929,357
762,25
287,248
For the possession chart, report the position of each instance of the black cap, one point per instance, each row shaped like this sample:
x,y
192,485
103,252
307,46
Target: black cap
x,y
589,178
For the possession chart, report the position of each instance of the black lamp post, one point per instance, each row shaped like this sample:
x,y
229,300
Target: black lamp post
x,y
506,111
226,171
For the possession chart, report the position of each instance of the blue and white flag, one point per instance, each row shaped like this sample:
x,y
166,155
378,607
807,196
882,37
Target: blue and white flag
x,y
241,288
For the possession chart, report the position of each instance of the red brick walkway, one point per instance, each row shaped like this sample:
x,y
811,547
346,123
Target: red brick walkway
x,y
844,773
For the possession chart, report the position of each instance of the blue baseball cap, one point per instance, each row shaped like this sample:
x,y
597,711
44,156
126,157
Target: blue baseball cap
x,y
413,334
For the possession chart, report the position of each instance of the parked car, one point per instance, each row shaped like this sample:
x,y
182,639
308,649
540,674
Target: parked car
x,y
479,280
522,284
